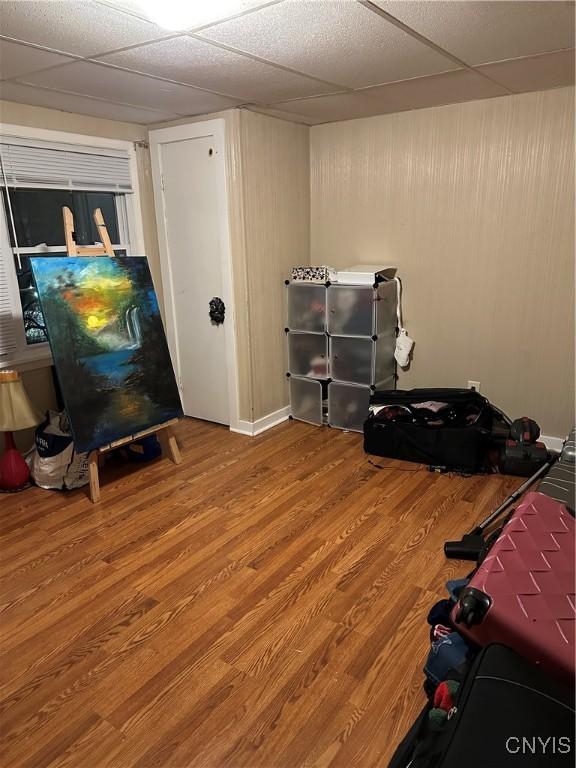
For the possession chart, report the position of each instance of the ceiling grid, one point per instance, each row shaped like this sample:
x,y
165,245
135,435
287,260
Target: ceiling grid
x,y
312,61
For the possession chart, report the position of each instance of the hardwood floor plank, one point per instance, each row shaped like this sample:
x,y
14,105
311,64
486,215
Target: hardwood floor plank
x,y
40,692
263,604
167,677
365,740
44,594
58,744
95,746
160,751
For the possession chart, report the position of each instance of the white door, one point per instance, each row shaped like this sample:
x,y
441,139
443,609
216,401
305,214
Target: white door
x,y
192,230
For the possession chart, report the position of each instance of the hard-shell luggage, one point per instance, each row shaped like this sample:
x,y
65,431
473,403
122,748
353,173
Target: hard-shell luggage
x,y
507,713
560,482
569,448
522,594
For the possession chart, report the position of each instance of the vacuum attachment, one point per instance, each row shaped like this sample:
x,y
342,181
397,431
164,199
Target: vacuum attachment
x,y
471,544
468,548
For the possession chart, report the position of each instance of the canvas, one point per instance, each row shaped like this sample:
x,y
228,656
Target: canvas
x,y
108,345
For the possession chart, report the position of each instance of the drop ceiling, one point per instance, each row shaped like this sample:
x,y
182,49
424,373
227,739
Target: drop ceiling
x,y
312,61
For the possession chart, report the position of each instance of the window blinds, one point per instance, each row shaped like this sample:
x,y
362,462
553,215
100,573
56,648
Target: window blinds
x,y
36,164
7,324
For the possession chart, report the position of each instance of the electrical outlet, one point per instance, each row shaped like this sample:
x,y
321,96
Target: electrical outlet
x,y
474,385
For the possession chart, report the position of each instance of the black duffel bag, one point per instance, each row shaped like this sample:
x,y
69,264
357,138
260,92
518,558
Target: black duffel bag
x,y
444,428
507,714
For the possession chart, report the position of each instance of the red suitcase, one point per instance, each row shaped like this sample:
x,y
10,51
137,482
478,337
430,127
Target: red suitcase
x,y
522,595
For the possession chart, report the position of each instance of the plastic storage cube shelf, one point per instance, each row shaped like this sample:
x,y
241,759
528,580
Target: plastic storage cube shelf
x,y
341,339
347,405
306,399
308,354
306,307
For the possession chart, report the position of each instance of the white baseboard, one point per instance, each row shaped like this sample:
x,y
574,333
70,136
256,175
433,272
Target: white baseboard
x,y
552,443
253,428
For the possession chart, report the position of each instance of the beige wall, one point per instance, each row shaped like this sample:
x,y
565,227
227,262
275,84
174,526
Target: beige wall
x,y
56,120
475,204
276,204
39,385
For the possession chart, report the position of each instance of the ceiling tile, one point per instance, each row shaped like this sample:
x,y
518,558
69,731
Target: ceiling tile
x,y
290,116
533,73
419,93
326,109
107,82
197,62
82,27
17,60
480,32
202,11
69,102
339,41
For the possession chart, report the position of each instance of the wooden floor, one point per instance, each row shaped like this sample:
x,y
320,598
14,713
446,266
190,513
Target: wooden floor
x,y
263,604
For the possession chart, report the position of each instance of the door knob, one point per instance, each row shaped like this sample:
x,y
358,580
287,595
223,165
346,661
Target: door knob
x,y
216,311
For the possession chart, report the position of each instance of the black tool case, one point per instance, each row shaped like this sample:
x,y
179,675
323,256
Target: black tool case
x,y
456,437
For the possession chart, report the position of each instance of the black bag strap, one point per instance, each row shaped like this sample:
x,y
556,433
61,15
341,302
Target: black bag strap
x,y
407,397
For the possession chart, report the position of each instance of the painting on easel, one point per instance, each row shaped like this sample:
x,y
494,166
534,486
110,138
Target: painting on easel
x,y
108,345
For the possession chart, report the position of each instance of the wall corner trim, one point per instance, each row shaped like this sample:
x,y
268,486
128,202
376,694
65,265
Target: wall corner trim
x,y
253,428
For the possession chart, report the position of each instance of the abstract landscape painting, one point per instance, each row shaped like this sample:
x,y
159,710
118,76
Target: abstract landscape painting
x,y
108,345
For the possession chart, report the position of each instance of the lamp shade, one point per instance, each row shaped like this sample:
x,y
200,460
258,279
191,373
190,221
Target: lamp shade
x,y
16,410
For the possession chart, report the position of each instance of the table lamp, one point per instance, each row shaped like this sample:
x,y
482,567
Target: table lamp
x,y
16,412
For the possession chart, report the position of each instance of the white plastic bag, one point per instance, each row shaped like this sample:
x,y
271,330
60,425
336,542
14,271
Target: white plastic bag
x,y
404,343
404,346
53,461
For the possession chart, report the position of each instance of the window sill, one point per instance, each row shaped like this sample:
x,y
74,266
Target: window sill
x,y
27,360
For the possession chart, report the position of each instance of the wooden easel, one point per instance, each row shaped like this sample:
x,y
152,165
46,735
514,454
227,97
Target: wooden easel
x,y
164,430
167,440
105,247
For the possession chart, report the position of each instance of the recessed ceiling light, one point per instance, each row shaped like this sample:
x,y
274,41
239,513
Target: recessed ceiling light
x,y
177,15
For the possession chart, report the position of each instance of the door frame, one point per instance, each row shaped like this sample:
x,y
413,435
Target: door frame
x,y
216,130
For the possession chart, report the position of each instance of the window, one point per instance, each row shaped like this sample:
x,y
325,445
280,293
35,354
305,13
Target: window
x,y
36,180
39,230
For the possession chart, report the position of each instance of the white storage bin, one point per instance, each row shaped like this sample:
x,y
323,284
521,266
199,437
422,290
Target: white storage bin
x,y
306,400
357,310
306,307
350,310
352,359
308,354
348,405
363,361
